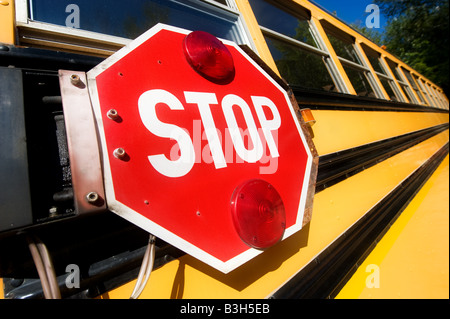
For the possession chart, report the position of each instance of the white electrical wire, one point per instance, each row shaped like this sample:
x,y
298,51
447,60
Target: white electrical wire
x,y
49,269
40,268
45,269
146,268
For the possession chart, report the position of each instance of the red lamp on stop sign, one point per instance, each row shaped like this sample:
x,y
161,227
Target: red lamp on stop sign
x,y
209,57
258,214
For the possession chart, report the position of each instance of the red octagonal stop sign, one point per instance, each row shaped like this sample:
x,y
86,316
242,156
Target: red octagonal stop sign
x,y
201,147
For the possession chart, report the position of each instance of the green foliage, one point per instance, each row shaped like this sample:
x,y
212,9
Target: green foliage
x,y
418,33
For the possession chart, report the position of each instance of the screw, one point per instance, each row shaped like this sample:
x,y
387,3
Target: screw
x,y
75,79
112,114
92,197
53,211
119,153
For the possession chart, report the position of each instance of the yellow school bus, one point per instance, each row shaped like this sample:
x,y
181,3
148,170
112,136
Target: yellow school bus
x,y
380,213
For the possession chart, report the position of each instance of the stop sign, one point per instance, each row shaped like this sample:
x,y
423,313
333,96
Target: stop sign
x,y
200,146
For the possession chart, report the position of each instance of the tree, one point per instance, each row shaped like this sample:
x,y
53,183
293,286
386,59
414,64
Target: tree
x,y
417,32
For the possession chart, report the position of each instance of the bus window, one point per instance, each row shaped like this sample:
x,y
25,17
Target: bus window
x,y
374,60
389,88
413,85
293,46
444,102
386,80
358,74
343,48
110,20
224,2
423,90
437,97
296,66
432,94
401,81
278,20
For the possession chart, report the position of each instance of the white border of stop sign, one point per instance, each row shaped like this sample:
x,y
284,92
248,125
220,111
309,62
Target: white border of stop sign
x,y
173,169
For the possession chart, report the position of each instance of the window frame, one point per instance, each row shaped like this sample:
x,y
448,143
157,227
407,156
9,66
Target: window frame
x,y
360,67
301,13
414,86
408,93
47,35
425,93
433,95
386,75
439,97
443,99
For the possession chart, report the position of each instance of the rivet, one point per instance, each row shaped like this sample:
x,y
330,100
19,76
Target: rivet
x,y
119,153
92,197
4,3
112,114
75,79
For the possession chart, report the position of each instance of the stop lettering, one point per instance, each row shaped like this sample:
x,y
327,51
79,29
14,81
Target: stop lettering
x,y
200,146
204,101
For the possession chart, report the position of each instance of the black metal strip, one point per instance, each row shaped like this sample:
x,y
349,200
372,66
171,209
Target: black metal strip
x,y
96,279
321,100
324,276
32,58
338,166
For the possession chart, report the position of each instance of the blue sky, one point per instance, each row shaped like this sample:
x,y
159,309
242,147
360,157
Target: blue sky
x,y
351,11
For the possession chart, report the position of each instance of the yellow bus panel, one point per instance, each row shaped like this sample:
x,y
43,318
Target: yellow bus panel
x,y
191,279
412,258
380,213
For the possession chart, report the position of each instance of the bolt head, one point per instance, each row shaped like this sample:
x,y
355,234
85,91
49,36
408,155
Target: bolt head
x,y
112,114
92,197
119,153
75,79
